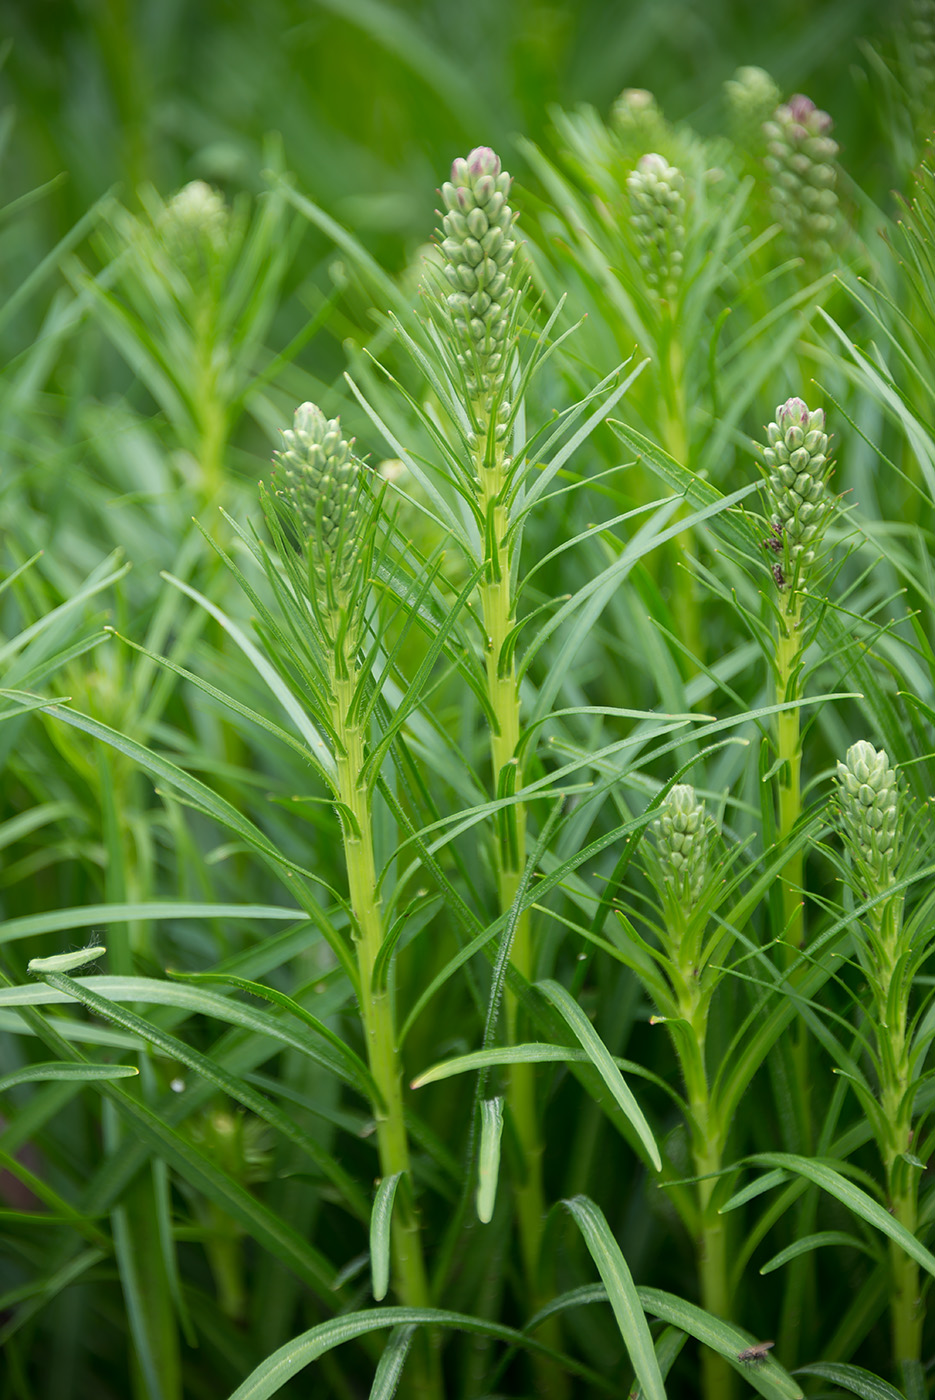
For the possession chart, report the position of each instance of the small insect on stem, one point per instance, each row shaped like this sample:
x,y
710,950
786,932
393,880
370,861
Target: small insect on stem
x,y
755,1355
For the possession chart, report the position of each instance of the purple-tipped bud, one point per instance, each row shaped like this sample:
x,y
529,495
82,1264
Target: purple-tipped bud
x,y
799,161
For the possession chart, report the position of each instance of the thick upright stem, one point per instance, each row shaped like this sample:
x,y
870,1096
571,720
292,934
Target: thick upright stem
x,y
503,692
707,1148
788,646
377,1017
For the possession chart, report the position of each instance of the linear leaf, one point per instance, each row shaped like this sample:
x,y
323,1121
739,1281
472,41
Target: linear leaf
x,y
852,1378
853,1197
488,1158
621,1293
603,1062
52,1069
381,1230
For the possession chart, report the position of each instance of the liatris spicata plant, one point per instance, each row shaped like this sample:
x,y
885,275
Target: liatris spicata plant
x,y
797,471
478,246
751,97
657,215
871,815
800,162
681,869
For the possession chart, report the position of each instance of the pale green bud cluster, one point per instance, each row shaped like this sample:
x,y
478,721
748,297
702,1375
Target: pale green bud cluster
x,y
638,120
195,228
478,247
751,97
658,218
319,481
868,793
797,469
682,833
800,161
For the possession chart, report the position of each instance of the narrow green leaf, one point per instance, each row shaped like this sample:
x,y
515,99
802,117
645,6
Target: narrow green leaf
x,y
853,1197
621,1293
319,752
603,1062
230,1084
273,1373
381,1230
391,1363
852,1378
65,962
488,1160
810,1242
33,1074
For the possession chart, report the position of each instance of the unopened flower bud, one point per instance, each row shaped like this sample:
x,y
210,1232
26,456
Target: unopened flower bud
x,y
799,161
478,247
658,220
682,833
319,480
868,793
797,470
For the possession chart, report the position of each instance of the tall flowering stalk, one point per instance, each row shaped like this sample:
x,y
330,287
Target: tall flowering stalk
x,y
483,288
872,818
796,468
681,870
323,501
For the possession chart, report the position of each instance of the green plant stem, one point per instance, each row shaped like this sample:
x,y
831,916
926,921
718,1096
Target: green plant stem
x,y
376,1011
693,1000
503,692
789,759
907,1313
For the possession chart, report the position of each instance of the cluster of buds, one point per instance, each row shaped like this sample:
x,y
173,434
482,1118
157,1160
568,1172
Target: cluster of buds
x,y
799,160
195,227
638,120
478,247
868,794
320,483
751,97
682,833
657,215
797,468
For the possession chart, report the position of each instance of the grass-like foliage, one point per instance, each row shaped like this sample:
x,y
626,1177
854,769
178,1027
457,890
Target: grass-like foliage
x,y
468,890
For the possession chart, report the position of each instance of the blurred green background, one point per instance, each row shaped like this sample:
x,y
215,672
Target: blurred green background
x,y
374,99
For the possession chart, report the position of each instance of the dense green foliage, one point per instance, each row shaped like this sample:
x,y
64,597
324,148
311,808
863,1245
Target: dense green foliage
x,y
466,903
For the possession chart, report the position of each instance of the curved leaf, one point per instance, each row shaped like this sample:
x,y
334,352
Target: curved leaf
x,y
488,1159
381,1229
810,1242
55,1070
853,1197
603,1062
852,1378
621,1293
271,1375
391,1363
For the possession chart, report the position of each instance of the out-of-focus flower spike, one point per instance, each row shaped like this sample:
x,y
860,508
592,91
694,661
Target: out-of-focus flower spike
x,y
657,206
800,162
